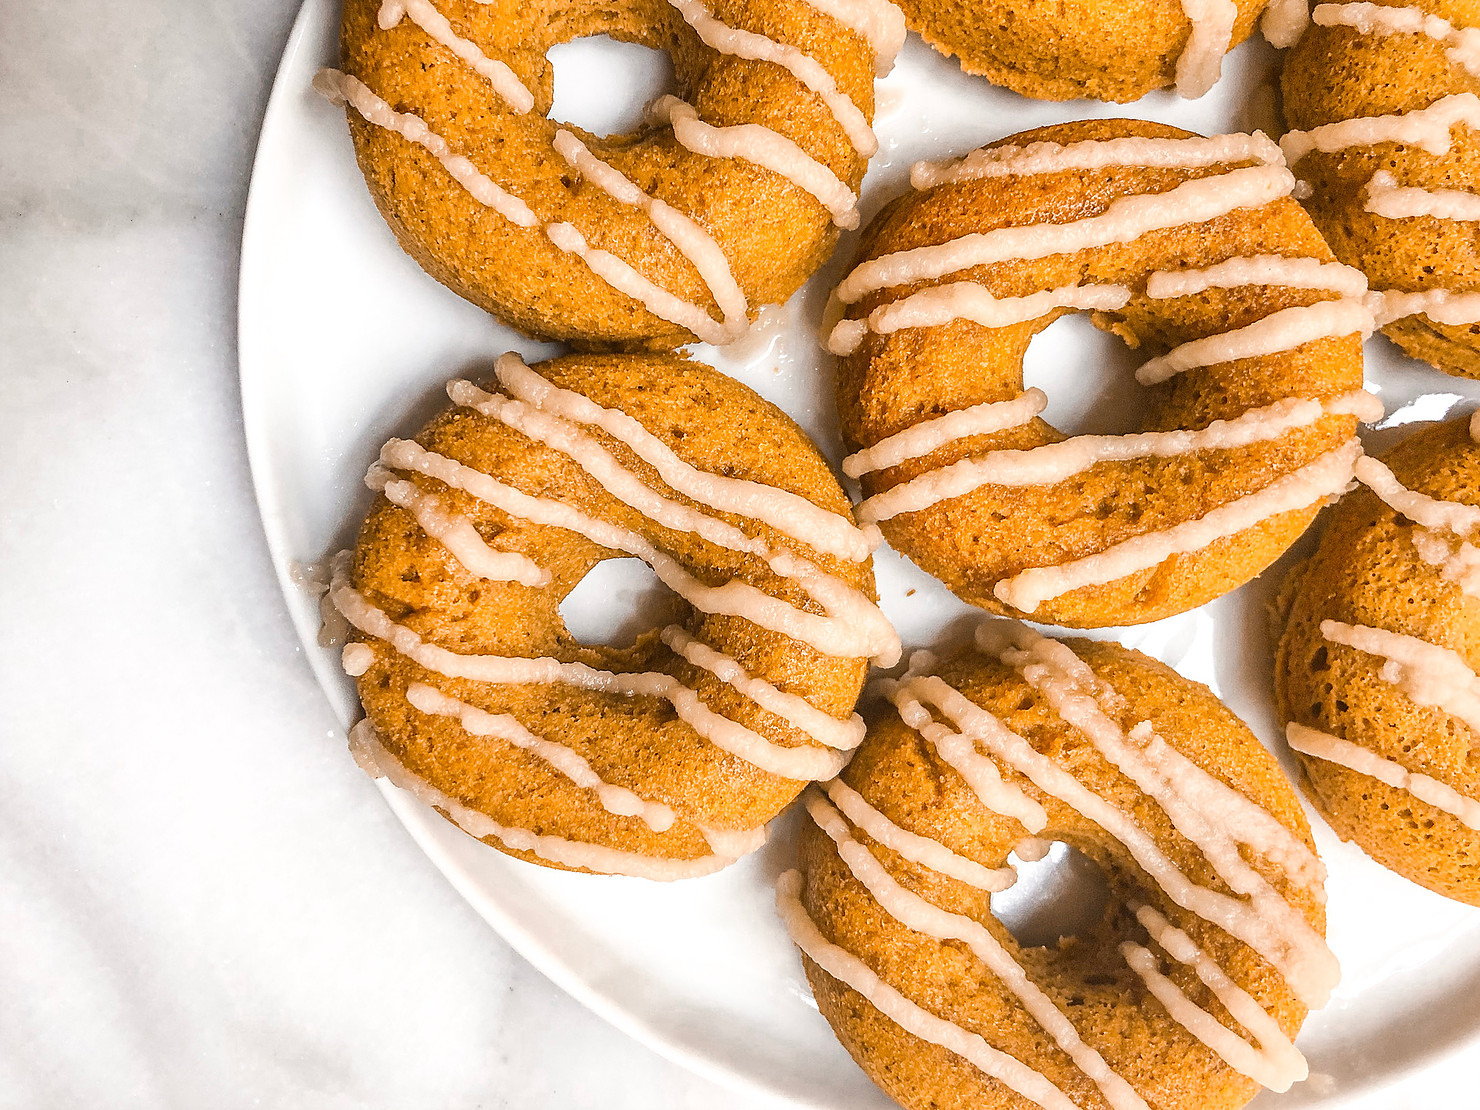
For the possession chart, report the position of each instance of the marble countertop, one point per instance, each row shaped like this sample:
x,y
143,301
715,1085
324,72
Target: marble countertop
x,y
202,901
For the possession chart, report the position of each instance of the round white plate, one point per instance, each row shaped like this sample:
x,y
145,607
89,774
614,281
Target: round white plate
x,y
345,342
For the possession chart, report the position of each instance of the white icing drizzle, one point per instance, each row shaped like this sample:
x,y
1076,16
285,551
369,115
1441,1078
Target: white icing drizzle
x,y
691,240
766,148
925,917
1259,269
1448,516
913,847
1380,19
806,69
1327,476
878,21
1310,972
853,973
789,513
959,752
616,800
1284,22
456,532
1354,757
730,736
1276,1063
971,300
1211,815
796,711
1426,128
371,755
1280,331
1201,61
1057,462
929,435
341,88
624,279
1430,675
356,658
1439,305
1126,219
852,625
1096,154
1031,849
1386,198
426,16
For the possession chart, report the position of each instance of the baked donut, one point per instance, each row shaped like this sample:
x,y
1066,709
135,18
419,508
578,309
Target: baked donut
x,y
1375,672
1106,51
1382,100
730,196
662,760
1183,995
1185,247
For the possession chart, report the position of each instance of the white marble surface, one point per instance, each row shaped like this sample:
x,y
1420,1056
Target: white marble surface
x,y
202,901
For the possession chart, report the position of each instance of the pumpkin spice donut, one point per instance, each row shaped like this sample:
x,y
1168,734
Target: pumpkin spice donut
x,y
661,760
730,196
1376,668
1122,51
1185,993
1382,97
1187,248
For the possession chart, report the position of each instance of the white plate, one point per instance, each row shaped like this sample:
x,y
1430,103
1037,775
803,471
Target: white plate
x,y
344,342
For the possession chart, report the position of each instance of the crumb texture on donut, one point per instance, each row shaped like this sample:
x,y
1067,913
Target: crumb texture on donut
x,y
1376,668
727,197
663,759
1186,992
1104,51
1381,100
1190,250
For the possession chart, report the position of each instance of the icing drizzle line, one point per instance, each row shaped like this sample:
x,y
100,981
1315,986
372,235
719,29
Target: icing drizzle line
x,y
1354,757
378,762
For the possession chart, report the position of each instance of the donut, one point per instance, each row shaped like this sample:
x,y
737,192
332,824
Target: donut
x,y
1189,249
730,195
1105,51
661,760
1376,667
1185,992
1381,100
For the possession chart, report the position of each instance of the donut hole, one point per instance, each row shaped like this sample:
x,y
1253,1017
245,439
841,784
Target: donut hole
x,y
604,85
1062,895
616,602
1089,376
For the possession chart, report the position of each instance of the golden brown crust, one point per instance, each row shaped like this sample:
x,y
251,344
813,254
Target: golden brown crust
x,y
974,541
713,423
1086,976
1056,51
1337,73
773,234
1367,572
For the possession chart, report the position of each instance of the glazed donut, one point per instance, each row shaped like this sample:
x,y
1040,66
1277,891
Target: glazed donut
x,y
1185,247
1376,669
1183,995
730,196
1105,51
1382,99
662,760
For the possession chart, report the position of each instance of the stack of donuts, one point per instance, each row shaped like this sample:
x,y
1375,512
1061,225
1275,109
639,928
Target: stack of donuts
x,y
1246,272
